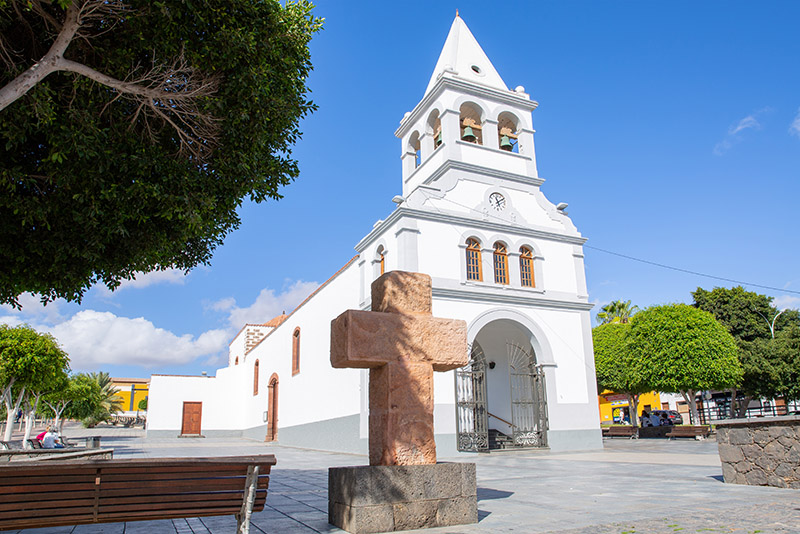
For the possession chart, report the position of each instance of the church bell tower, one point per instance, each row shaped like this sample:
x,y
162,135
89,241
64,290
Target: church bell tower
x,y
467,115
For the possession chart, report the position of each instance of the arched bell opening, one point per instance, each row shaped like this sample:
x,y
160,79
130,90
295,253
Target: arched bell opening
x,y
508,132
471,121
500,394
414,148
435,128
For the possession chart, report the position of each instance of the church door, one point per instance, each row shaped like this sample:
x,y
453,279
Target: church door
x,y
192,412
471,411
528,409
272,409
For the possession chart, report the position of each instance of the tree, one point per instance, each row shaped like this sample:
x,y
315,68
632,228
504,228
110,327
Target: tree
x,y
89,403
614,367
76,388
681,349
616,311
31,364
753,321
133,131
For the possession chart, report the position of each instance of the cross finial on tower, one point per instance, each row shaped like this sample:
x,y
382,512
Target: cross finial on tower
x,y
456,12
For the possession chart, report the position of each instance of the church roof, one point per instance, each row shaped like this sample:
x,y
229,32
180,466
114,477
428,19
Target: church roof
x,y
276,321
463,55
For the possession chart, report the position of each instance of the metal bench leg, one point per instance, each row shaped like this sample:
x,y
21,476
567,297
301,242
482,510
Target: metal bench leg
x,y
250,487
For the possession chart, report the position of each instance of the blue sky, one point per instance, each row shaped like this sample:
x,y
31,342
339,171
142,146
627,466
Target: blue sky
x,y
672,130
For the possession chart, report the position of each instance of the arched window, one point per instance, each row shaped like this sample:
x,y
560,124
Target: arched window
x,y
296,351
507,132
526,267
237,361
255,378
381,259
500,263
413,147
474,270
435,128
471,124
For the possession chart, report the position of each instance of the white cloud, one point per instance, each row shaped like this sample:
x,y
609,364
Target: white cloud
x,y
140,280
786,301
733,135
794,128
93,338
33,310
267,305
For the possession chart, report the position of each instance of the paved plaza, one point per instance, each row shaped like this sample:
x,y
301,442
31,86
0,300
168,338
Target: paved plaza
x,y
630,487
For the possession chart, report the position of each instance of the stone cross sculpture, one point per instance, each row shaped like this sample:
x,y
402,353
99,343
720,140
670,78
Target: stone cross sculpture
x,y
402,344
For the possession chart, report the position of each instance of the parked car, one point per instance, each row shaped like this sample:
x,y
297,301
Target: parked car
x,y
666,417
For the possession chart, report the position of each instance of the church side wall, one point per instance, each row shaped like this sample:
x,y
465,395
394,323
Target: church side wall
x,y
221,411
319,396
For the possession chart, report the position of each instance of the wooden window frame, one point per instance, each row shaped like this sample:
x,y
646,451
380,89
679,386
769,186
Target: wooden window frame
x,y
296,351
527,276
255,378
474,260
500,263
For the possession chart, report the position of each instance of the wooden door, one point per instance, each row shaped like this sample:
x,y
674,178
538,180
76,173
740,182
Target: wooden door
x,y
272,409
191,418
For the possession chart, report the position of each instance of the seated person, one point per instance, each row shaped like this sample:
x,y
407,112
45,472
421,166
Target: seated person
x,y
41,435
655,420
51,441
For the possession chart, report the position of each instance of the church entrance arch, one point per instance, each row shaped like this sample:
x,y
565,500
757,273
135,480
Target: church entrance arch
x,y
500,394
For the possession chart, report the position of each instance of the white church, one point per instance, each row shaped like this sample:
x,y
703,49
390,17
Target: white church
x,y
501,256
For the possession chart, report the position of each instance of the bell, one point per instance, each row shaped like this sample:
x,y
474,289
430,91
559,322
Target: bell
x,y
469,135
505,144
438,140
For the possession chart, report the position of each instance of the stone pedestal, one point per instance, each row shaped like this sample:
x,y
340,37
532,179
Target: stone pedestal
x,y
386,498
760,452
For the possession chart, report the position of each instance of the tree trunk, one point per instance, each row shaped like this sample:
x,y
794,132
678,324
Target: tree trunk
x,y
732,411
12,408
690,396
633,408
29,420
742,411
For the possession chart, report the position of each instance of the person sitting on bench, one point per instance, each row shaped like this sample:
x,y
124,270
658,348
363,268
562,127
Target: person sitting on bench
x,y
51,440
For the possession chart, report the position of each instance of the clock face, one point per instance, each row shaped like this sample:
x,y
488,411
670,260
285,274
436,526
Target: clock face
x,y
497,201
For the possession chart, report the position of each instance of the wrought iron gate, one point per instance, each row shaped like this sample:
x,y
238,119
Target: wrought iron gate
x,y
528,401
472,420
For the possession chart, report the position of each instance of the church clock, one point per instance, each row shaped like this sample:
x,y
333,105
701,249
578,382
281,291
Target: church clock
x,y
497,201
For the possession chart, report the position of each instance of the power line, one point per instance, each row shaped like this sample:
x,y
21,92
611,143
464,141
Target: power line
x,y
648,262
665,266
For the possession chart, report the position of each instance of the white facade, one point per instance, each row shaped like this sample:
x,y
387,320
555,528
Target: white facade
x,y
457,192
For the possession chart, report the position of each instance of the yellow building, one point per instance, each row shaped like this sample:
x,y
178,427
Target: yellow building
x,y
131,391
614,406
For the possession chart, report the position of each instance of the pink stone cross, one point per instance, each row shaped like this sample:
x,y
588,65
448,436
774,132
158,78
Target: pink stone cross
x,y
401,344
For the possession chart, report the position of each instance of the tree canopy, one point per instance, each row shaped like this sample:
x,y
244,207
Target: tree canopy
x,y
614,367
763,335
31,364
143,126
682,349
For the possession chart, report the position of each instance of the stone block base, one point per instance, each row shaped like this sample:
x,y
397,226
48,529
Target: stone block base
x,y
369,499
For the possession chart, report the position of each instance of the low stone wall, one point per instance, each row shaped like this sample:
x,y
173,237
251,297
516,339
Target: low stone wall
x,y
760,452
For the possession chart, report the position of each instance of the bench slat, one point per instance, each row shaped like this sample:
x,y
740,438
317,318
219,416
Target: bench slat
x,y
63,493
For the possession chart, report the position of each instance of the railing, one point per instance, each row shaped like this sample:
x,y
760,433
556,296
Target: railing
x,y
512,425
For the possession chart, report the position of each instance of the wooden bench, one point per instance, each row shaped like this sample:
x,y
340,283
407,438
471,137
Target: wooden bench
x,y
35,455
621,432
109,491
689,431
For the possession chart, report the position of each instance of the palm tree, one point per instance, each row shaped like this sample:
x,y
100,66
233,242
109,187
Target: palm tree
x,y
107,402
616,311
